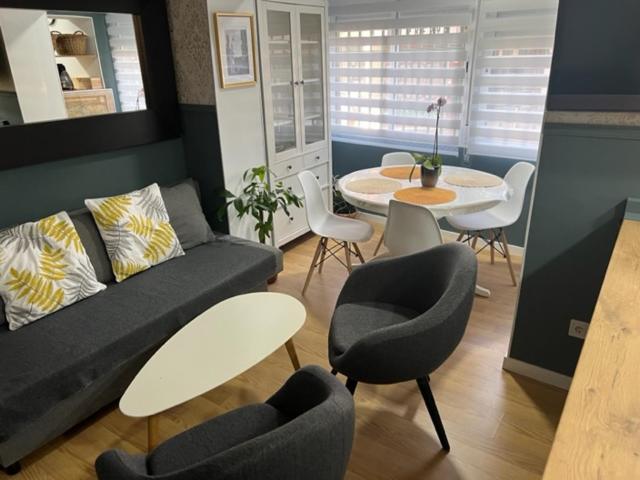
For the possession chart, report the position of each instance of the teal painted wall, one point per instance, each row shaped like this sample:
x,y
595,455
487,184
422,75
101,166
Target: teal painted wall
x,y
349,157
585,175
204,158
33,192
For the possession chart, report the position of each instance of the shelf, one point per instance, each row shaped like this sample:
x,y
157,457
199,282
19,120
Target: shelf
x,y
279,42
87,55
310,42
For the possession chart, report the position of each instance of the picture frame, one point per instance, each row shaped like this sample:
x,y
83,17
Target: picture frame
x,y
235,45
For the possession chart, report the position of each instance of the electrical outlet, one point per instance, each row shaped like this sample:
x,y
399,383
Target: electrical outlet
x,y
578,329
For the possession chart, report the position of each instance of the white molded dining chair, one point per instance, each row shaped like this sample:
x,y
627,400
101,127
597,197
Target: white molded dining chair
x,y
397,158
410,229
489,225
346,233
389,160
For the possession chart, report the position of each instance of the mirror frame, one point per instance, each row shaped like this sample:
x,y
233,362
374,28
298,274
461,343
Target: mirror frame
x,y
30,144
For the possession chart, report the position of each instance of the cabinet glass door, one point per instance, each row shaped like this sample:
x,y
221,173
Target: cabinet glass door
x,y
281,65
312,66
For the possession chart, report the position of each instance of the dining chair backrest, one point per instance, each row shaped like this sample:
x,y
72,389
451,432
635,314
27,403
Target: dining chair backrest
x,y
517,178
317,211
410,229
397,158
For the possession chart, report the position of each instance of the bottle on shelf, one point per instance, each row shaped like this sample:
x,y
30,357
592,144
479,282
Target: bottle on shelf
x,y
65,78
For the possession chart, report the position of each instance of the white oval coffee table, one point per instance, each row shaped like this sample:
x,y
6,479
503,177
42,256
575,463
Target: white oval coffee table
x,y
213,348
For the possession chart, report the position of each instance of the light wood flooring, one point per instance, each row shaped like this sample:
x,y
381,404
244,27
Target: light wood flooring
x,y
500,425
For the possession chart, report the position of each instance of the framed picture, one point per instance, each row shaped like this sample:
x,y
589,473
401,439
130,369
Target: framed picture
x,y
235,41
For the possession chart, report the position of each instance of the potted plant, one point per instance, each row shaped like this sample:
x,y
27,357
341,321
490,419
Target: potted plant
x,y
261,200
340,205
430,164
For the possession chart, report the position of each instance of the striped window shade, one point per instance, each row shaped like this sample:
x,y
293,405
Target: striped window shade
x,y
510,78
126,62
389,60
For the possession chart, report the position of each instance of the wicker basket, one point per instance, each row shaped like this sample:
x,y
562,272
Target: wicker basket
x,y
72,43
54,40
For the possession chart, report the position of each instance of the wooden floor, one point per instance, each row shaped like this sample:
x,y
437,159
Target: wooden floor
x,y
500,426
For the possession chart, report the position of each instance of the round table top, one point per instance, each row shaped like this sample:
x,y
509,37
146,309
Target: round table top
x,y
468,199
215,347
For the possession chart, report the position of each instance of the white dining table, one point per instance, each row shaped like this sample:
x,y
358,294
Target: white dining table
x,y
468,199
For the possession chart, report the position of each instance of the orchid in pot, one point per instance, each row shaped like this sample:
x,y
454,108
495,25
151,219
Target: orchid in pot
x,y
431,164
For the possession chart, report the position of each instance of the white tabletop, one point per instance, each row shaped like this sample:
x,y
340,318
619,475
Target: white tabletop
x,y
215,347
468,200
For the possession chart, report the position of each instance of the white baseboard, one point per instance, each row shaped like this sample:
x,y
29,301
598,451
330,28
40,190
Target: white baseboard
x,y
537,373
448,235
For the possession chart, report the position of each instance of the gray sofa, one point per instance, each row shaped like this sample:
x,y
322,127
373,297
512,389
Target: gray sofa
x,y
63,368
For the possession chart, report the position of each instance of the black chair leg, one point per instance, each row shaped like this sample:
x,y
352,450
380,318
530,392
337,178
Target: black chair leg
x,y
427,394
351,385
13,469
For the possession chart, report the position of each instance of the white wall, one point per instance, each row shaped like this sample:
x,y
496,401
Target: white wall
x,y
35,74
240,120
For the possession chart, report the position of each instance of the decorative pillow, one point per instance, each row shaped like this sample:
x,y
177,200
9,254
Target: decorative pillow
x,y
43,268
136,231
185,213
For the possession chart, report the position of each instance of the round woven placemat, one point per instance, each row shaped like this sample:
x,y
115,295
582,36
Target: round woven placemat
x,y
401,173
425,196
374,186
473,180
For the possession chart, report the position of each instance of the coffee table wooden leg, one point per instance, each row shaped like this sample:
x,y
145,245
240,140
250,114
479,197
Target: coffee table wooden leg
x,y
152,432
293,355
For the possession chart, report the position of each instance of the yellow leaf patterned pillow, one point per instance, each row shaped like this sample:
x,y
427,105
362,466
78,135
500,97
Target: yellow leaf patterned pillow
x,y
136,231
43,268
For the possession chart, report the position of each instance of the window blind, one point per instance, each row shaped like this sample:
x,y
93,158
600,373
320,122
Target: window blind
x,y
389,60
511,73
126,62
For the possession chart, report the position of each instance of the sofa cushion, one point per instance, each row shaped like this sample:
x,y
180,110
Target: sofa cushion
x,y
60,355
185,214
93,244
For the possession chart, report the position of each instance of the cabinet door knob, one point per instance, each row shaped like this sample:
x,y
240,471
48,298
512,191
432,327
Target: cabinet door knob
x,y
296,83
317,177
289,167
317,157
291,219
301,82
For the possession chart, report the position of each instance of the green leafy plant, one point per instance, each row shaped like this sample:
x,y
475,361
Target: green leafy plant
x,y
261,200
340,205
431,161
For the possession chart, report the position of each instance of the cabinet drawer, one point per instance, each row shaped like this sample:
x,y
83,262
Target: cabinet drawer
x,y
286,168
311,159
286,228
321,172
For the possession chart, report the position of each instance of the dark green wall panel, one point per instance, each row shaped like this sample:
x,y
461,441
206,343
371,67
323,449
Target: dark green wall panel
x,y
204,159
32,192
586,174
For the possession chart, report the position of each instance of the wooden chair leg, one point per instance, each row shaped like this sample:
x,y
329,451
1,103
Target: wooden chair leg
x,y
460,237
505,245
347,255
380,242
293,355
474,241
358,252
313,266
430,402
325,244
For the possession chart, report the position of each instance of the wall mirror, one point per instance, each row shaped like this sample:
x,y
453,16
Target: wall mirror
x,y
57,65
80,77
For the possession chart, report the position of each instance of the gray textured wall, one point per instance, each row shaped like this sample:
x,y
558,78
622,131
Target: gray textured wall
x,y
189,25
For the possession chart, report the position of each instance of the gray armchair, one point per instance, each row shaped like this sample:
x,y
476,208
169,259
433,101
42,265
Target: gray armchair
x,y
399,319
304,431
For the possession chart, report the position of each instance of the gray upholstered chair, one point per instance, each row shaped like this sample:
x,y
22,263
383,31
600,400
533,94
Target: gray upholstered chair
x,y
399,319
304,431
